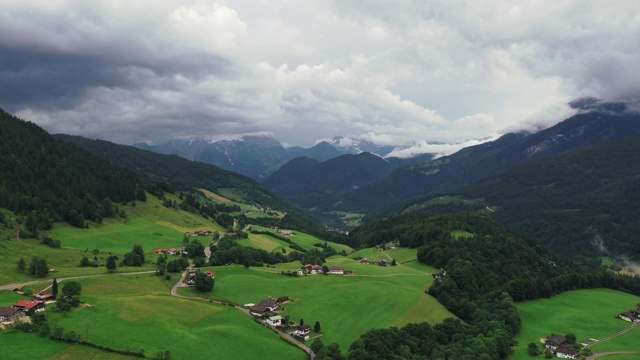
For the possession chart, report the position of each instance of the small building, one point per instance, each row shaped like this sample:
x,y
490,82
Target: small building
x,y
210,274
257,310
283,299
314,269
382,263
364,261
299,272
336,270
628,316
566,352
8,314
27,305
275,321
302,332
270,304
42,296
554,341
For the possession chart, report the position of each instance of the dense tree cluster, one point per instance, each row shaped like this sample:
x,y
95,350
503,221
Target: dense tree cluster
x,y
135,257
484,273
48,180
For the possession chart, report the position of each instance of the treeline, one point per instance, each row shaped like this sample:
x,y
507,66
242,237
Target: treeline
x,y
48,180
483,274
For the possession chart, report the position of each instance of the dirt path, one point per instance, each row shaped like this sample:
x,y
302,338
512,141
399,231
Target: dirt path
x,y
614,335
35,282
603,354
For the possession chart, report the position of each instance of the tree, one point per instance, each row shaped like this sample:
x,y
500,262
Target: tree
x,y
38,267
71,288
137,249
317,345
203,282
54,287
21,265
111,263
570,338
301,322
393,262
161,265
533,349
84,262
316,327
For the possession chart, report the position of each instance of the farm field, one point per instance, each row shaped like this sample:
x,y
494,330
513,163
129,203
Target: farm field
x,y
129,306
586,313
377,297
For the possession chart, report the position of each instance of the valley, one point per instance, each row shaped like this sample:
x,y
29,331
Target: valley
x,y
441,276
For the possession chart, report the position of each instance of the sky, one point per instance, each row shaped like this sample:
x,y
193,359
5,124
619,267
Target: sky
x,y
431,75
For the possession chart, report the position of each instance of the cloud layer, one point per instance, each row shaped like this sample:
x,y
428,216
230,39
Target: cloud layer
x,y
393,72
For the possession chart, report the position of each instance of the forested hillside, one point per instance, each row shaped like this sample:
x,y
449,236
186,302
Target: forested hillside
x,y
581,204
311,184
485,269
49,180
476,162
184,175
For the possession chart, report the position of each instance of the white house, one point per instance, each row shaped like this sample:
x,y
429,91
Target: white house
x,y
566,353
336,270
275,321
302,332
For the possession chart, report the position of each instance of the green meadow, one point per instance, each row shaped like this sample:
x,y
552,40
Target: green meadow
x,y
345,306
137,312
586,313
149,224
271,244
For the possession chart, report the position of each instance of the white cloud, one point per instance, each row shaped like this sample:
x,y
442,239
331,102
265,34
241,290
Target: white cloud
x,y
411,73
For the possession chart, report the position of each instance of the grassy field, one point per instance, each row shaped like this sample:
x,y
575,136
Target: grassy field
x,y
143,314
150,224
586,313
345,306
271,244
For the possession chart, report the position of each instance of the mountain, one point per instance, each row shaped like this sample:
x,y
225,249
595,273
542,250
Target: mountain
x,y
48,180
185,175
354,146
581,204
477,162
312,184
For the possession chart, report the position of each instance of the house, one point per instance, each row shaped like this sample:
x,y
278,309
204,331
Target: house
x,y
364,261
286,232
566,353
382,263
257,310
190,233
554,341
27,305
302,332
628,316
210,274
275,321
270,304
45,297
299,272
8,314
283,299
203,232
336,270
314,269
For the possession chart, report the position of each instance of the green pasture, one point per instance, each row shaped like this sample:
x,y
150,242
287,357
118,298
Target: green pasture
x,y
402,255
141,312
149,224
305,241
345,306
586,313
264,242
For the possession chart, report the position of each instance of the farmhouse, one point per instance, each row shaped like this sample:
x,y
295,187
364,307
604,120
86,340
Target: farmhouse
x,y
45,297
566,353
270,304
8,314
27,305
257,310
628,316
554,341
301,331
336,270
364,261
382,263
314,269
275,321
